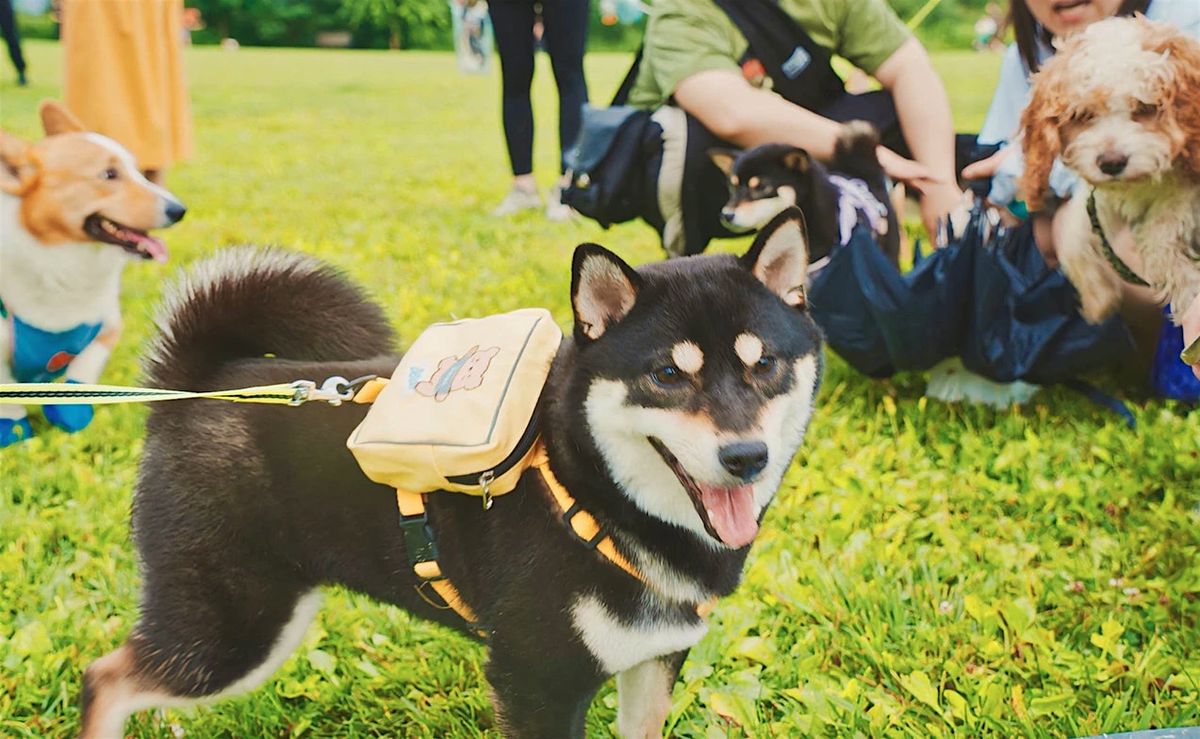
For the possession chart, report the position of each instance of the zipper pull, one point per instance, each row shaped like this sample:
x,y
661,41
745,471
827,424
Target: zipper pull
x,y
485,483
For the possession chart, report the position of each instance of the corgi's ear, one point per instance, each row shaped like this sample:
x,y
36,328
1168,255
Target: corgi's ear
x,y
15,168
603,290
724,159
779,257
796,160
57,119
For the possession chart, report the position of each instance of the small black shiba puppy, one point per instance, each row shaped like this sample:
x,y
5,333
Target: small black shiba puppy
x,y
670,415
853,188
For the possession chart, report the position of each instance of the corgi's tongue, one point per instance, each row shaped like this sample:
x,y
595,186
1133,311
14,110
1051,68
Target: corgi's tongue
x,y
147,246
731,513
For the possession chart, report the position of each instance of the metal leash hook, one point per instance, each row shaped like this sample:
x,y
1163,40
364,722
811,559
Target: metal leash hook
x,y
334,391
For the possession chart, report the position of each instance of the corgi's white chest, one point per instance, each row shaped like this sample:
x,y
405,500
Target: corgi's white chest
x,y
58,287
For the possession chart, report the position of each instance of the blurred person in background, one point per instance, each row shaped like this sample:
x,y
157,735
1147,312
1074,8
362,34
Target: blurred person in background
x,y
564,35
123,64
8,24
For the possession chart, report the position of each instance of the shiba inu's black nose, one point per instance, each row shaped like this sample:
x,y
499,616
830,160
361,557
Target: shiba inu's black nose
x,y
745,459
175,211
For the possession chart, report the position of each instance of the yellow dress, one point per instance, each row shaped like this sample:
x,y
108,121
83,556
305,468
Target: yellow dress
x,y
123,62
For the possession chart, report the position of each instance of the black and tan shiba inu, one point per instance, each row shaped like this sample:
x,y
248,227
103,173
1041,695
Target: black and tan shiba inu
x,y
851,189
670,415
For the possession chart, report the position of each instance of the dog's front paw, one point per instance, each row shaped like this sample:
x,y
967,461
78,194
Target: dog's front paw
x,y
13,430
69,418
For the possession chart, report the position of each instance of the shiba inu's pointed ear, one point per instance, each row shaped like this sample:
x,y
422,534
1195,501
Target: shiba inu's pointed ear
x,y
796,160
603,290
779,256
57,119
724,159
14,163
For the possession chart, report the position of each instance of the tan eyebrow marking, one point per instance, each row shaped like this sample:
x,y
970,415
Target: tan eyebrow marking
x,y
749,348
687,357
754,182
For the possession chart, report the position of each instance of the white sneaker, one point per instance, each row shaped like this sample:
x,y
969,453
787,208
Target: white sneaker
x,y
516,201
556,210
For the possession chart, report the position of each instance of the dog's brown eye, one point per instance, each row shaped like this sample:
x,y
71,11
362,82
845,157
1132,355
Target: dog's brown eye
x,y
109,174
764,365
667,376
1145,110
1083,116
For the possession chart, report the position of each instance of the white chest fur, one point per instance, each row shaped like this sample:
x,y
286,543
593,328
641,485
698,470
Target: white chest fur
x,y
618,645
55,287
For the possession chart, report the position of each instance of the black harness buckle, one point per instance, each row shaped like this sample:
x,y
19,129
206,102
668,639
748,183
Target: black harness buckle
x,y
418,539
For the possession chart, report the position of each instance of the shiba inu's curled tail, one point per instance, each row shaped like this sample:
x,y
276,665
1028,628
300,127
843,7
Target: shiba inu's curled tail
x,y
249,302
854,152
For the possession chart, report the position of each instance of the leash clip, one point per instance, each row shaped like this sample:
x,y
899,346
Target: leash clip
x,y
485,482
333,391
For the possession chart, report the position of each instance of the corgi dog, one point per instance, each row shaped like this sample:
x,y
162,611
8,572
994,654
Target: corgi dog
x,y
670,415
74,209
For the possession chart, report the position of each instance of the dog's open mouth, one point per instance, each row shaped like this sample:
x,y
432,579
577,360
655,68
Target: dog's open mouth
x,y
138,243
727,512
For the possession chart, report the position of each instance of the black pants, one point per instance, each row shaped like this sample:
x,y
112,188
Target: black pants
x,y
8,24
565,24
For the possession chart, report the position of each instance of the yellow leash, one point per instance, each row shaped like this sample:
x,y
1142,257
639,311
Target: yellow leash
x,y
334,391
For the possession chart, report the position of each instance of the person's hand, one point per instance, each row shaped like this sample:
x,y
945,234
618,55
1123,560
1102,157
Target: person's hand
x,y
940,196
987,167
911,173
941,202
1191,330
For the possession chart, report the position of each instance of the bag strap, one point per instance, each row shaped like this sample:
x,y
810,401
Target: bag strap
x,y
622,96
800,69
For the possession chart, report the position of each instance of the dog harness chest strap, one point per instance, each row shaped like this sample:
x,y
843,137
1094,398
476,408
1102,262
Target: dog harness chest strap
x,y
581,523
421,544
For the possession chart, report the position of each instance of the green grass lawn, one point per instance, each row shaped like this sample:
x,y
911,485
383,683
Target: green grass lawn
x,y
927,569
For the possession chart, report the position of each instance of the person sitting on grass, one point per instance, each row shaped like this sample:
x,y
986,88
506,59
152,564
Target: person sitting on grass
x,y
1036,24
696,57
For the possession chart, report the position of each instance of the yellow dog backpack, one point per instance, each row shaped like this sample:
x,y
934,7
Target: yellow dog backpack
x,y
459,412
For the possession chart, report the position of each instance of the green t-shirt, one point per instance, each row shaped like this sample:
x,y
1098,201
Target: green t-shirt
x,y
685,37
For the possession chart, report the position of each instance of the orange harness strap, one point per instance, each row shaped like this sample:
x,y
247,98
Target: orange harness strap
x,y
422,547
589,530
424,559
581,522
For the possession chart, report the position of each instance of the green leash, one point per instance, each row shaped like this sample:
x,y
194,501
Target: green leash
x,y
334,391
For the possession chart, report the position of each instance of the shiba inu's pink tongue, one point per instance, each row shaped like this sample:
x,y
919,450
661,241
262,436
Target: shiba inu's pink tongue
x,y
731,513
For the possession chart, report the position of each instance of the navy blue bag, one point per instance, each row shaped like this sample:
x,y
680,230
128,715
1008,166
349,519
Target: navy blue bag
x,y
986,296
1025,322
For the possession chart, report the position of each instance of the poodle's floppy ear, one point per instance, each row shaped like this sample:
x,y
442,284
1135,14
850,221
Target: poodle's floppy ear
x,y
1181,97
1039,137
724,159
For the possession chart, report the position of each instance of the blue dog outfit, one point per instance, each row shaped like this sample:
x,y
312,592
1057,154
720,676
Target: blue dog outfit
x,y
43,356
